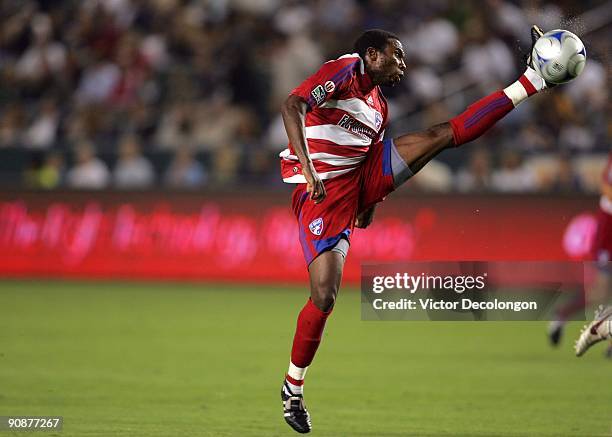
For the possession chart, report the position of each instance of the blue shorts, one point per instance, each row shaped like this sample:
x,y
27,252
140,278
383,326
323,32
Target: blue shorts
x,y
323,225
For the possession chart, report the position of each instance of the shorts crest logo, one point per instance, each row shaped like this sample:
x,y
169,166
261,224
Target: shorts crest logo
x,y
329,86
378,120
316,226
318,93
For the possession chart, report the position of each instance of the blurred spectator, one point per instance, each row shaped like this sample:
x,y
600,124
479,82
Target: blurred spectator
x,y
440,37
436,176
12,123
547,15
133,170
98,82
567,180
51,173
201,74
296,59
220,124
576,136
342,15
591,91
185,171
133,71
513,176
30,175
476,176
261,168
176,127
533,138
509,18
425,84
44,58
488,62
89,172
276,136
226,162
41,133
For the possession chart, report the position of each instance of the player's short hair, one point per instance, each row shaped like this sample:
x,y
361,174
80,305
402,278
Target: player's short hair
x,y
376,38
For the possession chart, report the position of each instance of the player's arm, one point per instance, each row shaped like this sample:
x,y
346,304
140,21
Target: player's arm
x,y
364,219
293,112
331,79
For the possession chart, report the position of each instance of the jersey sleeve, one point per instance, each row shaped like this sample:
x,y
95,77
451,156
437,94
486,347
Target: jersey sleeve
x,y
331,79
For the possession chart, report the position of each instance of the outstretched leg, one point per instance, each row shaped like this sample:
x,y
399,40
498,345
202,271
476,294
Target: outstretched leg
x,y
418,148
325,277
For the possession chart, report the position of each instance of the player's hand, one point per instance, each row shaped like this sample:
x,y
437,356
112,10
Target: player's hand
x,y
364,219
314,184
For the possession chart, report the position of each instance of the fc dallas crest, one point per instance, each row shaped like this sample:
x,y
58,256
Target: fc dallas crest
x,y
316,226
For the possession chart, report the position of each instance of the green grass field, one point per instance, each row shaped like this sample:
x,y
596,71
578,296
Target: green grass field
x,y
201,360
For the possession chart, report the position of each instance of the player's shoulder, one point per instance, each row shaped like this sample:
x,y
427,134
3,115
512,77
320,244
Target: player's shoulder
x,y
351,62
349,58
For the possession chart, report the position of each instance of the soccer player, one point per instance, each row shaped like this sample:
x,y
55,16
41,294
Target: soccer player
x,y
601,326
600,291
335,121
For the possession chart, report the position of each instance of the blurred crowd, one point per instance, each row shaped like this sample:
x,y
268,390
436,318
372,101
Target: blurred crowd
x,y
135,94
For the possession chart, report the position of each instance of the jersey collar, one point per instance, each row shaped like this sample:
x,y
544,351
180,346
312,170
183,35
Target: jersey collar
x,y
363,78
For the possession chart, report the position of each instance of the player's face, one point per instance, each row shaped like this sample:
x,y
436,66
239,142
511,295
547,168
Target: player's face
x,y
387,68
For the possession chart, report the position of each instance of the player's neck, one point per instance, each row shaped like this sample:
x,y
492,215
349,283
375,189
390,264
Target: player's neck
x,y
366,84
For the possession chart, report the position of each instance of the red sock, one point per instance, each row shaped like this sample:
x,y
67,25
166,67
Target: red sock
x,y
479,117
310,324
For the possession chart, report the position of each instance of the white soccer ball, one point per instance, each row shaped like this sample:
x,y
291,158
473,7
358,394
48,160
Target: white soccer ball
x,y
559,56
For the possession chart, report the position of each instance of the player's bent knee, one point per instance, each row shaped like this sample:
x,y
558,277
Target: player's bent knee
x,y
324,296
325,277
325,302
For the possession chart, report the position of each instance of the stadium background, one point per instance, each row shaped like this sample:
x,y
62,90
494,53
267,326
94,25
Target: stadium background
x,y
139,140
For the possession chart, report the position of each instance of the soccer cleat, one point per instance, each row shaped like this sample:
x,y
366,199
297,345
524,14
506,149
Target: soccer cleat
x,y
536,33
294,411
555,332
599,329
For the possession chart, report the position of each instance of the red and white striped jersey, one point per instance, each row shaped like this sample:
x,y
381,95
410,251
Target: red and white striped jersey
x,y
346,115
